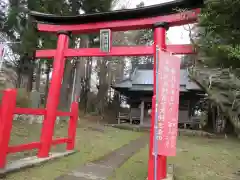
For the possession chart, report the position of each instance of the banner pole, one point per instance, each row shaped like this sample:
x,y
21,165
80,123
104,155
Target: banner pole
x,y
155,142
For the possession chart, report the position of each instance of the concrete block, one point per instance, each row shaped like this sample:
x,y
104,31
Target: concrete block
x,y
170,172
31,162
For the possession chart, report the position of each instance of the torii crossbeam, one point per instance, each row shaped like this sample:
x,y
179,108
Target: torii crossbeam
x,y
159,18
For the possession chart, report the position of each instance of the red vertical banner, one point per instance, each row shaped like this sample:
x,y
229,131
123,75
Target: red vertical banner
x,y
167,105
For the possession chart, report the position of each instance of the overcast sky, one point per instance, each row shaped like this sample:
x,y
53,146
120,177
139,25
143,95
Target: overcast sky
x,y
176,35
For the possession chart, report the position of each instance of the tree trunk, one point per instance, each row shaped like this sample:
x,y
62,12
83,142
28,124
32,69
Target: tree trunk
x,y
214,120
19,77
64,98
229,128
71,85
80,70
88,83
38,77
109,80
78,78
47,82
103,86
30,80
209,126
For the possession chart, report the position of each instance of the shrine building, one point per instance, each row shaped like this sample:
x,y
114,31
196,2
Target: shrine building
x,y
138,90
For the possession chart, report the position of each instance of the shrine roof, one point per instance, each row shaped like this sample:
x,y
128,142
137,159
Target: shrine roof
x,y
126,14
142,80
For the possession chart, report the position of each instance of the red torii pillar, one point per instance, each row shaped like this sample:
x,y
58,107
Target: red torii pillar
x,y
159,42
53,95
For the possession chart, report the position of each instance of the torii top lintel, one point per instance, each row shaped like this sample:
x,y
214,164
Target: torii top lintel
x,y
128,19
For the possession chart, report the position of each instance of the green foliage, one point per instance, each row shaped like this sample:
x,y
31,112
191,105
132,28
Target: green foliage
x,y
219,50
219,33
19,27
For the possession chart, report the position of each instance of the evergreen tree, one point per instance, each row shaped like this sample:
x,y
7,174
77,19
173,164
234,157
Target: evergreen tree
x,y
219,51
219,33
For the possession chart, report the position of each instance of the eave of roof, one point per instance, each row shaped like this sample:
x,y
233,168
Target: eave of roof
x,y
142,80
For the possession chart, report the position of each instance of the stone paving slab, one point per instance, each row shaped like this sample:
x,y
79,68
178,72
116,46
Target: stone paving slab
x,y
104,167
100,171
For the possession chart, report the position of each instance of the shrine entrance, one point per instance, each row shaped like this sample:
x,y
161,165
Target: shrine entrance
x,y
166,66
159,18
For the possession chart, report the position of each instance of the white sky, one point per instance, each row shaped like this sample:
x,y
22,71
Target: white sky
x,y
176,35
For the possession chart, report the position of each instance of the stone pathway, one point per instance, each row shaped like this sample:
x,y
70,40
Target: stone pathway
x,y
104,167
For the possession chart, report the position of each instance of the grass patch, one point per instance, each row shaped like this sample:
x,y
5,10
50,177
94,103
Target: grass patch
x,y
197,159
91,143
201,158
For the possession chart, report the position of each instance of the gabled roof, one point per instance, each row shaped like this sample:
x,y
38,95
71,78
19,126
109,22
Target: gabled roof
x,y
142,80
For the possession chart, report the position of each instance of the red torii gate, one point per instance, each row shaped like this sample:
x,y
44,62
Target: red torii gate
x,y
159,17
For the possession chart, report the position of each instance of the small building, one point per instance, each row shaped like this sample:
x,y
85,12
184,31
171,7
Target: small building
x,y
138,90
